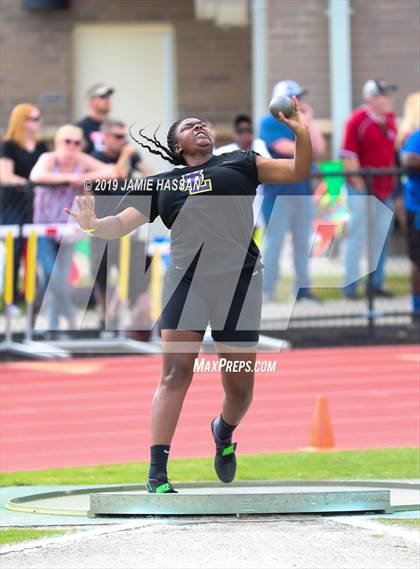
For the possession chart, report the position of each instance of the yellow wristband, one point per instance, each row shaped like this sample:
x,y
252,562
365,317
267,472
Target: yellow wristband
x,y
89,230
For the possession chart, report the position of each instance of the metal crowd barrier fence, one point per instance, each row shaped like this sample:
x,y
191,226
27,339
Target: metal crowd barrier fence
x,y
60,348
368,175
9,233
63,348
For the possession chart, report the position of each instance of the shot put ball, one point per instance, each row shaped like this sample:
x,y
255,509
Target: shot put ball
x,y
282,104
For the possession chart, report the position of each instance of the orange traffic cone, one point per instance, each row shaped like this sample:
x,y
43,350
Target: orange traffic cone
x,y
321,436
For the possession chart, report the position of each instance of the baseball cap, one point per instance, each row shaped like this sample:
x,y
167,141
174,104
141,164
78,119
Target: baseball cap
x,y
375,87
289,88
99,90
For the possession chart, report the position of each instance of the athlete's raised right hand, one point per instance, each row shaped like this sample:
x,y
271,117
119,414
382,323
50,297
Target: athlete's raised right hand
x,y
85,216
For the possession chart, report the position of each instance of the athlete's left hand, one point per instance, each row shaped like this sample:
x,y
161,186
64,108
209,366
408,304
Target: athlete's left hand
x,y
297,121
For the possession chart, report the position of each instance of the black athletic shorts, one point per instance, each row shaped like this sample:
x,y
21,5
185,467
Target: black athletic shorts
x,y
413,236
229,302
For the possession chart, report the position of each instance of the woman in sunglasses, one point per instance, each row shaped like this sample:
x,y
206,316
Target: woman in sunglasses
x,y
60,176
19,151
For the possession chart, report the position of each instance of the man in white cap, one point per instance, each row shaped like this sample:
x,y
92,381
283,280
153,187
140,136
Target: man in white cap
x,y
99,101
294,210
369,141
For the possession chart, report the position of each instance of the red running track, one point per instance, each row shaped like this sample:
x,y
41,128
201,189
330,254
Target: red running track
x,y
96,411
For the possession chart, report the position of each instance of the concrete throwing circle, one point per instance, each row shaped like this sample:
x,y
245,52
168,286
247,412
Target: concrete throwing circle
x,y
253,497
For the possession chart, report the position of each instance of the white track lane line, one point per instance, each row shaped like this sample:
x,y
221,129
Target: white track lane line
x,y
82,535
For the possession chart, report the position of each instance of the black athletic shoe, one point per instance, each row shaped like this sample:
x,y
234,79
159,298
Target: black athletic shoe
x,y
225,459
160,487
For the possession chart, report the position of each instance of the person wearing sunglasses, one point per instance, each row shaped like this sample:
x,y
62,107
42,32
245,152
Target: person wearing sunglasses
x,y
99,98
243,138
116,150
60,176
19,151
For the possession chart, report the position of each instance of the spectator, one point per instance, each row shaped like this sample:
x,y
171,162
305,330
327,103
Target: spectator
x,y
243,139
410,120
63,173
410,158
295,213
99,100
117,151
369,141
19,152
127,161
409,123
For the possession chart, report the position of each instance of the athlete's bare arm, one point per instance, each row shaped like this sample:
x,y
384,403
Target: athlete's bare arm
x,y
111,227
289,170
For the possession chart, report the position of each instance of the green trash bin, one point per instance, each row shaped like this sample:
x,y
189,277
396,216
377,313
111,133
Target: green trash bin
x,y
334,184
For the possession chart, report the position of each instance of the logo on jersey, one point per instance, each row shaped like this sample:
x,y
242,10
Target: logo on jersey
x,y
195,183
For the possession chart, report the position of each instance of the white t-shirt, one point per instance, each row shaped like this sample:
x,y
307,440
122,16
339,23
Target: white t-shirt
x,y
258,145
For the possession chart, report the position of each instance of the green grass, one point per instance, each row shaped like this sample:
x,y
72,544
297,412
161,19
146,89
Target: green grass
x,y
404,522
8,536
328,287
338,465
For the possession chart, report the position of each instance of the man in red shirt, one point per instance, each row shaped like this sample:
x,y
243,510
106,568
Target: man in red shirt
x,y
369,141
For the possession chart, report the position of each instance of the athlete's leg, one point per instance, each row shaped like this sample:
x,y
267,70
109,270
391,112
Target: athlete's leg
x,y
176,378
237,345
167,403
238,385
180,346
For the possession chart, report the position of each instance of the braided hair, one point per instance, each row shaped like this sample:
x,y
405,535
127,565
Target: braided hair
x,y
156,147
